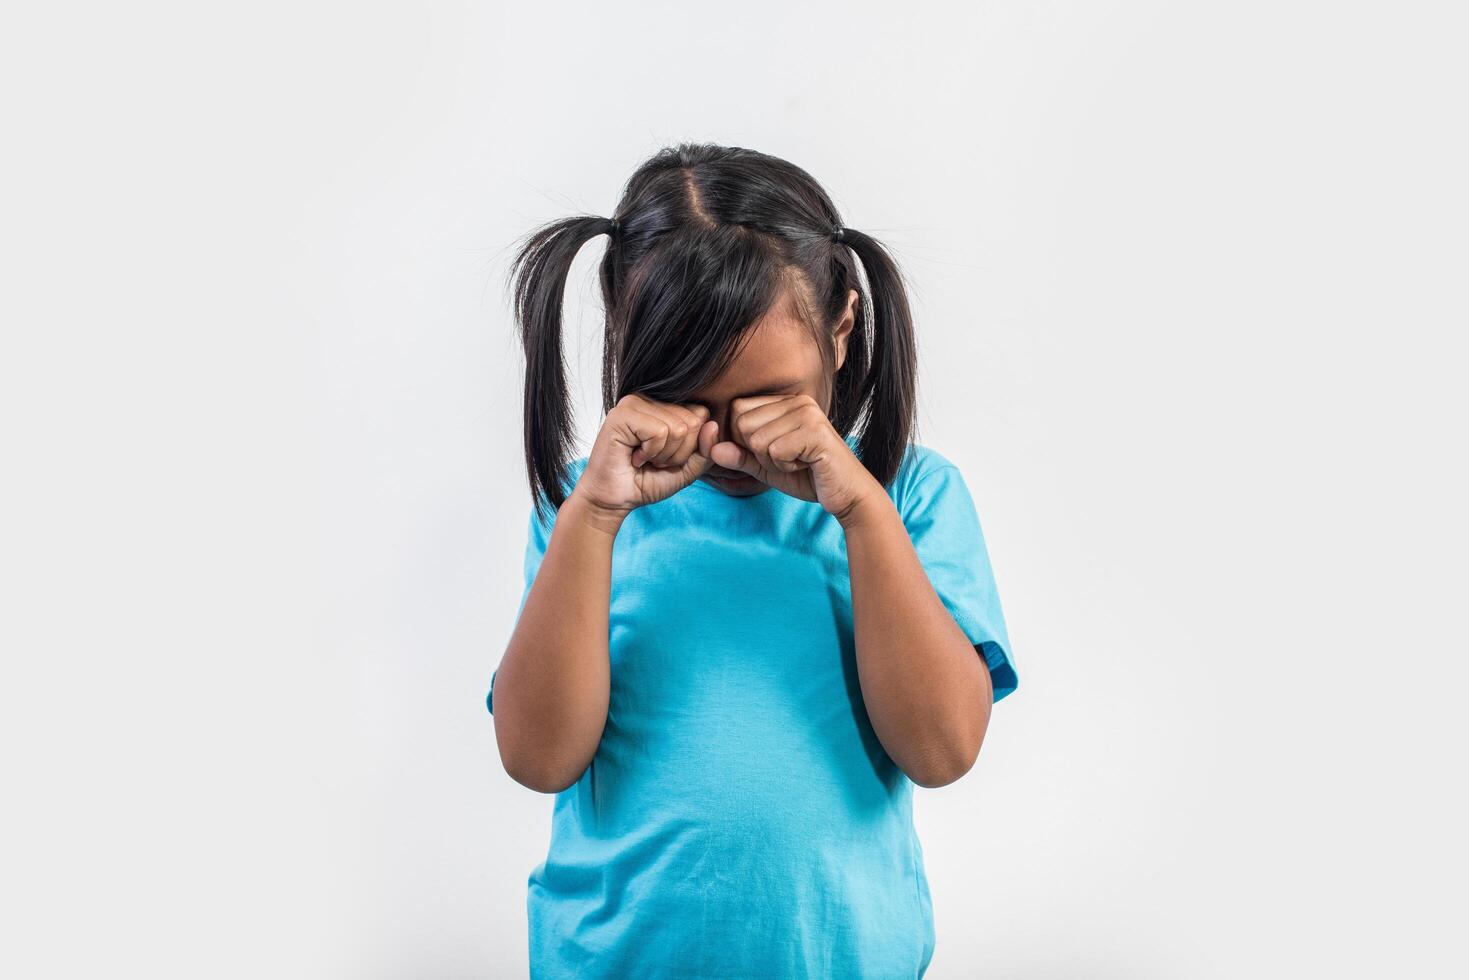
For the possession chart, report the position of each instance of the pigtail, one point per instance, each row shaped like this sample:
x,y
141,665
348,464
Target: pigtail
x,y
890,382
539,274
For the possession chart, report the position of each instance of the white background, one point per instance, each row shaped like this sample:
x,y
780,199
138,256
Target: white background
x,y
1190,287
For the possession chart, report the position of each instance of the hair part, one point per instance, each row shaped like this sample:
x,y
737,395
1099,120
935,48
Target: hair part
x,y
705,241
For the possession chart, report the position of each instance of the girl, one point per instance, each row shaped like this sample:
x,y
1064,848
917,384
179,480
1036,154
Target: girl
x,y
755,614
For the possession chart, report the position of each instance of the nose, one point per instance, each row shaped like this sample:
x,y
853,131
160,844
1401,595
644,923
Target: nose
x,y
721,415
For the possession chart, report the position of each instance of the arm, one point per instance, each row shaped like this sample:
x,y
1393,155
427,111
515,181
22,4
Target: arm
x,y
926,686
552,685
927,690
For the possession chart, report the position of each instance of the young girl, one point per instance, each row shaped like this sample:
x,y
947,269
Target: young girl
x,y
756,613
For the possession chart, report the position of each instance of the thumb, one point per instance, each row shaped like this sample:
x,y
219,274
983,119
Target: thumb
x,y
698,460
733,456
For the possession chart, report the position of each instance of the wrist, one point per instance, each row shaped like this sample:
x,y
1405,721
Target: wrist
x,y
589,513
875,505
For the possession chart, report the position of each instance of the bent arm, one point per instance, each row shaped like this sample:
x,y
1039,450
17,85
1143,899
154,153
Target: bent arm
x,y
552,685
926,687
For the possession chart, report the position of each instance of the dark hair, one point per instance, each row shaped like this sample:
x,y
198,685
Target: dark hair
x,y
703,242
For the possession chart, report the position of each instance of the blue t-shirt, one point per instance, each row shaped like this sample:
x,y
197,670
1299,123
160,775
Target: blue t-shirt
x,y
740,818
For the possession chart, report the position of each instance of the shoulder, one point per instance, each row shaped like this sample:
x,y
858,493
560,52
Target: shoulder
x,y
919,462
913,479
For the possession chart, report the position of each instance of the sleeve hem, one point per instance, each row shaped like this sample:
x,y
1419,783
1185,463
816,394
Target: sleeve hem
x,y
1003,679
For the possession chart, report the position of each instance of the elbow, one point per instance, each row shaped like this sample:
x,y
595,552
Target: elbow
x,y
536,762
942,769
952,742
947,761
542,778
539,756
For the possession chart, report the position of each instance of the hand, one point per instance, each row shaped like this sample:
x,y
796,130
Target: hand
x,y
646,450
787,441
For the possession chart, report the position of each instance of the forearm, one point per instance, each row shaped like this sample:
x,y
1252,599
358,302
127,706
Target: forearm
x,y
552,685
926,689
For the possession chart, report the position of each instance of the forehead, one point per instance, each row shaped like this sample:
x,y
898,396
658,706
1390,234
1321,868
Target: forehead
x,y
777,348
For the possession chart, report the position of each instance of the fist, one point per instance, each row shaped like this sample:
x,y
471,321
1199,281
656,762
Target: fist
x,y
646,450
787,441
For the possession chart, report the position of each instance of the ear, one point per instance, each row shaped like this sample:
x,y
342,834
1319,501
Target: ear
x,y
844,327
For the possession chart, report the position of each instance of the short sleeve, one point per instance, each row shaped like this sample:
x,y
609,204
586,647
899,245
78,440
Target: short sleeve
x,y
538,534
943,525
